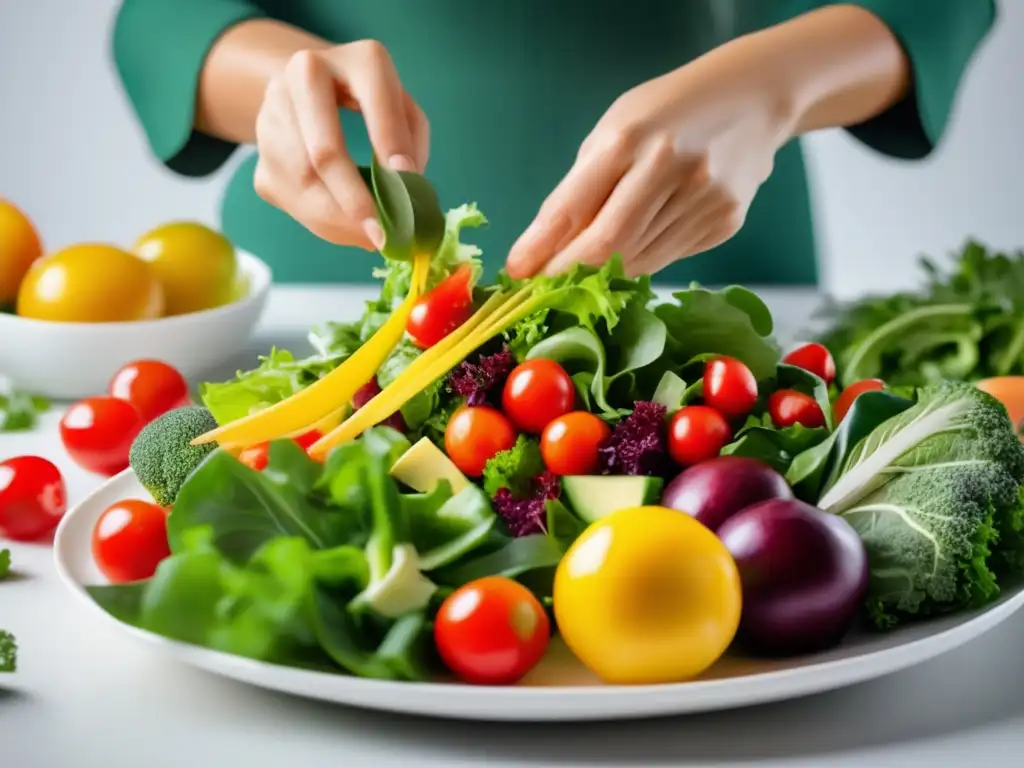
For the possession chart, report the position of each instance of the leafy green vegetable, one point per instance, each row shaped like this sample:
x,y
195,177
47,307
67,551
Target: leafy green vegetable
x,y
162,455
514,469
278,376
562,525
19,411
409,212
934,493
818,465
776,447
5,563
732,322
8,652
963,324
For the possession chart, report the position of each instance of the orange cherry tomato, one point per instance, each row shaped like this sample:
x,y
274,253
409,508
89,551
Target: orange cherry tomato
x,y
536,393
475,434
152,386
851,393
569,443
257,456
491,631
129,540
729,387
788,407
697,433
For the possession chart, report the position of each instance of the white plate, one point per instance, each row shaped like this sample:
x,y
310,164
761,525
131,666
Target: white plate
x,y
559,689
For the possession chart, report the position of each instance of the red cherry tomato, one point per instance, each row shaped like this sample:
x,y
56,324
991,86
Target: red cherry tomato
x,y
129,540
442,309
474,435
536,393
569,443
33,498
729,387
98,433
788,407
491,631
152,386
814,358
256,456
851,393
697,433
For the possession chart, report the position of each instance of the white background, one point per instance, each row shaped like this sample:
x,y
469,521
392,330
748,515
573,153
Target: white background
x,y
72,155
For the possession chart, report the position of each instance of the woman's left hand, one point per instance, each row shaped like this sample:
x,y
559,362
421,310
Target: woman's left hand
x,y
669,171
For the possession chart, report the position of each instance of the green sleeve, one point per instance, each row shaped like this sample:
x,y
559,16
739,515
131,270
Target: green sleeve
x,y
939,37
159,48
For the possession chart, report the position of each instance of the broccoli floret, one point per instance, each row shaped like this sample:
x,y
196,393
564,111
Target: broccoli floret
x,y
935,494
162,455
8,652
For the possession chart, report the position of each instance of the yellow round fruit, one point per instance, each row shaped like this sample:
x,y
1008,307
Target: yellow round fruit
x,y
90,284
647,595
19,247
195,265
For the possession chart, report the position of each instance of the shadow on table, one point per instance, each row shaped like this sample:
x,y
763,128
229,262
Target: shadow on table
x,y
960,691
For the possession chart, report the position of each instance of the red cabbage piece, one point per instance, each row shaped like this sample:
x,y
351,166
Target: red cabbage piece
x,y
528,515
476,381
639,443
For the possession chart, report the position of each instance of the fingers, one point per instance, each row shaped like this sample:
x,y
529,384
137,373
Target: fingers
x,y
285,178
704,226
312,91
419,129
366,71
626,214
568,210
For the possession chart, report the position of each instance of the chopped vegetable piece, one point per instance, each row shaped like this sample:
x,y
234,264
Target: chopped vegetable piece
x,y
639,443
442,309
8,652
20,411
477,381
5,563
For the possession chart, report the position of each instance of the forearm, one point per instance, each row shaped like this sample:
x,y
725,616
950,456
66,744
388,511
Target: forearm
x,y
837,66
236,72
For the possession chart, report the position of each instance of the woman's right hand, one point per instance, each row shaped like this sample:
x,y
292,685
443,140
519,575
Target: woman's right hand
x,y
304,168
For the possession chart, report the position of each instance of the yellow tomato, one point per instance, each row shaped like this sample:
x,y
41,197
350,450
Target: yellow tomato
x,y
1009,390
19,247
195,265
647,595
90,284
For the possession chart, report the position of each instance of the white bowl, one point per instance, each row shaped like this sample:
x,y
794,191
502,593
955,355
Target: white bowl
x,y
69,361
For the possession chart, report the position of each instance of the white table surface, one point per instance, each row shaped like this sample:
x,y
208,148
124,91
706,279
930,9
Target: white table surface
x,y
85,695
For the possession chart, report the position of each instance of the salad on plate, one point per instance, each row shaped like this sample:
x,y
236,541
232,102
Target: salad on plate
x,y
469,469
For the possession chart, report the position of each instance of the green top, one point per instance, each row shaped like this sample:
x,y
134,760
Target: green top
x,y
511,88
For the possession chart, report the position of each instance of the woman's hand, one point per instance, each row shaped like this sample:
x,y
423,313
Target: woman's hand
x,y
669,172
304,168
672,167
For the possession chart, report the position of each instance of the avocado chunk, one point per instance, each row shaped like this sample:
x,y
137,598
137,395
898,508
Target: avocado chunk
x,y
424,465
595,496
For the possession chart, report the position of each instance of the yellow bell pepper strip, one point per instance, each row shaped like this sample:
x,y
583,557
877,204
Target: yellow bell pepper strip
x,y
430,366
322,399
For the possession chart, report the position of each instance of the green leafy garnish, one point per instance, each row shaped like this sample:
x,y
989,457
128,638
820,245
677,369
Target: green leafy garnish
x,y
19,410
5,563
8,652
514,469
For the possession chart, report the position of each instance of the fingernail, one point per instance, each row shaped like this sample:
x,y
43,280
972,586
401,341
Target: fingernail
x,y
401,163
375,233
